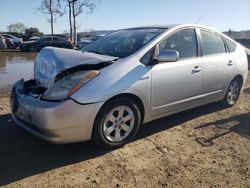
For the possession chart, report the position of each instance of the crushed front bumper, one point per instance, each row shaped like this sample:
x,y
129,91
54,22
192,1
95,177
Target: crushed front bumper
x,y
56,122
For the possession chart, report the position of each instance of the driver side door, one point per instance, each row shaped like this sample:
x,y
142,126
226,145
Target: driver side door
x,y
177,85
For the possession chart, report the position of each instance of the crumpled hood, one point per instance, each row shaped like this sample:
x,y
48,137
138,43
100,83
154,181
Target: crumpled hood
x,y
51,61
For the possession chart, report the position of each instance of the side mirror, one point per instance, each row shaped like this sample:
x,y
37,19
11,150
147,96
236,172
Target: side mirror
x,y
167,56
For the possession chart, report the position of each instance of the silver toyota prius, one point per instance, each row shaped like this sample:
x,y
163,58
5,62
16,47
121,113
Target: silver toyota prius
x,y
132,76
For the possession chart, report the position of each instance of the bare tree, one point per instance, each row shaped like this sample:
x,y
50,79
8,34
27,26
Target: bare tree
x,y
69,5
78,8
53,8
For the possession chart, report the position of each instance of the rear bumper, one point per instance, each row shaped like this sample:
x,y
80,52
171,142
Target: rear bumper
x,y
56,122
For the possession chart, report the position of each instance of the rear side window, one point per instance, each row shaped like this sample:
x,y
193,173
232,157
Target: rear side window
x,y
212,43
230,44
183,41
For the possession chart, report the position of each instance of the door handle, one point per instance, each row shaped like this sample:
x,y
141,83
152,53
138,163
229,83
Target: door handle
x,y
230,63
196,69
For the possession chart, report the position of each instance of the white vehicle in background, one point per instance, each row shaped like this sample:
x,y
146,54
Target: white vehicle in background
x,y
17,41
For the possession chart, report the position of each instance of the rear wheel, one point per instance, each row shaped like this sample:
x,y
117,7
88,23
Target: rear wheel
x,y
116,123
233,93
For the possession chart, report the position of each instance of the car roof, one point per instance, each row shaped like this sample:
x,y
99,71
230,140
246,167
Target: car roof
x,y
170,26
153,27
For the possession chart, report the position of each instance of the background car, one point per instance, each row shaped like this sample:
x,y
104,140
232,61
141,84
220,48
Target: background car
x,y
9,43
86,41
2,42
34,38
244,42
36,46
83,43
17,41
65,37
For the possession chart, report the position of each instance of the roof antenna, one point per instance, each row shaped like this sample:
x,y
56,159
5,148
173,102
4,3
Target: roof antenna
x,y
199,19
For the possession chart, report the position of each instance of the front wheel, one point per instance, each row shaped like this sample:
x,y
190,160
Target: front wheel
x,y
116,123
232,93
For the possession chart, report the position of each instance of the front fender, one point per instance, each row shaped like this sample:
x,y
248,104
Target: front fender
x,y
120,77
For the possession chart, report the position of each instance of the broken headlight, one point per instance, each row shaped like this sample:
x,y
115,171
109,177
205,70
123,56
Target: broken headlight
x,y
68,85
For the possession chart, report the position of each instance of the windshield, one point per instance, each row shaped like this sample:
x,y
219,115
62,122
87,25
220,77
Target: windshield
x,y
122,43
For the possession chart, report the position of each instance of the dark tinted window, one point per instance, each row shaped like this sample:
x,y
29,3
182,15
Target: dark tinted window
x,y
211,43
231,45
244,42
183,41
56,39
47,39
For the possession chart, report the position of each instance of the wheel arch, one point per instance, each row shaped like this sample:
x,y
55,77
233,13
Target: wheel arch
x,y
239,77
133,97
98,137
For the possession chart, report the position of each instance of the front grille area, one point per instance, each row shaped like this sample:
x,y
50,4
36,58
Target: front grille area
x,y
30,126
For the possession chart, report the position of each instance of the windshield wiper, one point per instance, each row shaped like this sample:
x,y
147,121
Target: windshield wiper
x,y
96,52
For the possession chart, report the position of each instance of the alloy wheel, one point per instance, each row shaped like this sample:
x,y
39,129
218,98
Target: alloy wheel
x,y
233,92
118,124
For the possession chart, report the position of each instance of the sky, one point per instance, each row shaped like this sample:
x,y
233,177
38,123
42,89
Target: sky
x,y
116,14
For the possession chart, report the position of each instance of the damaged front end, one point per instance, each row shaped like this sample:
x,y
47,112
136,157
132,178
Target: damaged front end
x,y
62,88
58,73
32,108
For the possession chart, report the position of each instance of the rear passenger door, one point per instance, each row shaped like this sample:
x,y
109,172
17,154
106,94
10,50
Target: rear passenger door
x,y
218,65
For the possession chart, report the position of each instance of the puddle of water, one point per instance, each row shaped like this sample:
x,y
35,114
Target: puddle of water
x,y
14,66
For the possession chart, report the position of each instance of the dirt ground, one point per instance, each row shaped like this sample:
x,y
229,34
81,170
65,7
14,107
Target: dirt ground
x,y
207,146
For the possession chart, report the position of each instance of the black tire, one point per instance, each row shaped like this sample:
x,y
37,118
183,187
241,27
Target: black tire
x,y
233,93
102,123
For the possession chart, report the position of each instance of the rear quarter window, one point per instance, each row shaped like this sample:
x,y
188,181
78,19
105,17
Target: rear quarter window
x,y
230,44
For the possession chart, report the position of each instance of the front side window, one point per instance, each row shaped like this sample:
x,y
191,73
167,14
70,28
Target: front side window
x,y
211,43
123,43
183,41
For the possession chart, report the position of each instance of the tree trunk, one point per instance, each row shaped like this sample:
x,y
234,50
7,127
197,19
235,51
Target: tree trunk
x,y
70,21
51,17
74,23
